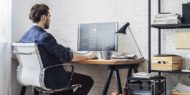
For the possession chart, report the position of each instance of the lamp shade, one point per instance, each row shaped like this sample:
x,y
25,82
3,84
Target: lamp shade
x,y
122,30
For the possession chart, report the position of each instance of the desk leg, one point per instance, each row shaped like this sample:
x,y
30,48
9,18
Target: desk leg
x,y
135,68
129,74
23,90
118,81
107,82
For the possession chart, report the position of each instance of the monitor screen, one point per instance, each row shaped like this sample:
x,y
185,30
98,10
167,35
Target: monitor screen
x,y
97,37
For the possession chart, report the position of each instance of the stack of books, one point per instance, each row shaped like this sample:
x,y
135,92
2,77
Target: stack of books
x,y
124,56
167,18
144,75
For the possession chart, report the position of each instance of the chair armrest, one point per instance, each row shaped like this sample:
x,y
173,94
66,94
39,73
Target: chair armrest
x,y
72,67
68,87
72,87
25,53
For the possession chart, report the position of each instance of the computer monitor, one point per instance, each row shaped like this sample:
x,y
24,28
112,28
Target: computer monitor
x,y
97,37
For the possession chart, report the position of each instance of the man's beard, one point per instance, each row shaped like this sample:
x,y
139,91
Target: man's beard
x,y
46,26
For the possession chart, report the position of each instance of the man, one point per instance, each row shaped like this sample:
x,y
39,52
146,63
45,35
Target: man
x,y
53,53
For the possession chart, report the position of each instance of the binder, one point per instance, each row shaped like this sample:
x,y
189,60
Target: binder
x,y
186,13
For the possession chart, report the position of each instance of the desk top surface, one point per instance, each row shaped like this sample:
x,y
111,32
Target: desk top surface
x,y
105,62
111,61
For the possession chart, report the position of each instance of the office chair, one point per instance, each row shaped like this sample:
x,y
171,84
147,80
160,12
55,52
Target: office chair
x,y
31,71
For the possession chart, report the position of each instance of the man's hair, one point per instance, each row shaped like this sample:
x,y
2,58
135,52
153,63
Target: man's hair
x,y
37,11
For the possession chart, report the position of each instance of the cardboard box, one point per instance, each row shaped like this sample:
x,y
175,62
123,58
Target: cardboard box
x,y
174,92
177,93
166,67
166,59
166,62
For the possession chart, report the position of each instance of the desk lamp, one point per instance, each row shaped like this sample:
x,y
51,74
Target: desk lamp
x,y
122,30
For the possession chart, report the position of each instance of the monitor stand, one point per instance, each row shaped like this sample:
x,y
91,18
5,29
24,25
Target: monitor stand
x,y
105,55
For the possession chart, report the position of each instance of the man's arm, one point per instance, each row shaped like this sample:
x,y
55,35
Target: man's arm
x,y
65,54
52,47
80,57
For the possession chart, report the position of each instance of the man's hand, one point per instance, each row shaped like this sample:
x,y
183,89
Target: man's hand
x,y
91,55
81,57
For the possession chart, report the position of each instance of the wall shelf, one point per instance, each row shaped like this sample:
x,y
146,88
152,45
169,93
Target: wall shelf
x,y
170,26
171,71
159,27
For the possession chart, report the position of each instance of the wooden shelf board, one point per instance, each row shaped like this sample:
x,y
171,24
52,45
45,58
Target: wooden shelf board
x,y
171,71
170,26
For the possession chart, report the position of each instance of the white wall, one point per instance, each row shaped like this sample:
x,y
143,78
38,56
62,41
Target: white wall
x,y
20,18
20,24
67,14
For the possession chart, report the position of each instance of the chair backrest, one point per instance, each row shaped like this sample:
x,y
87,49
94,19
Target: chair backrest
x,y
30,65
31,72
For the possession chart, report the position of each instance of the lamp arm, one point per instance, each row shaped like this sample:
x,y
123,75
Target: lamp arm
x,y
135,42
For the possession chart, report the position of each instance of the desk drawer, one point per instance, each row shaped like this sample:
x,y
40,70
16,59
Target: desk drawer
x,y
166,59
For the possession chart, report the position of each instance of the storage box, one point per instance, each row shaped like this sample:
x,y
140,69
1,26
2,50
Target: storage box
x,y
165,59
166,67
166,62
173,92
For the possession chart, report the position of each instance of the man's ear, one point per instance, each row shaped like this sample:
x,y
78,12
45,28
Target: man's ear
x,y
43,17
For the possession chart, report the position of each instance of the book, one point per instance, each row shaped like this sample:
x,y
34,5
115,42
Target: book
x,y
166,15
124,56
185,70
144,75
166,19
165,22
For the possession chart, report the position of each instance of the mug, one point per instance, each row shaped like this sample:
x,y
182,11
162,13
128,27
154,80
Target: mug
x,y
105,55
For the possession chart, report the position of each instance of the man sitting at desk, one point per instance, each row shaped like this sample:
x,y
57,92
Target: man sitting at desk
x,y
53,53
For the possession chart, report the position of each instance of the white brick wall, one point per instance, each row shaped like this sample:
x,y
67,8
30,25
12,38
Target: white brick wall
x,y
67,14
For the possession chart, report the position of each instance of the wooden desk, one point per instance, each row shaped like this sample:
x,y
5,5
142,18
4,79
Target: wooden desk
x,y
113,66
111,61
